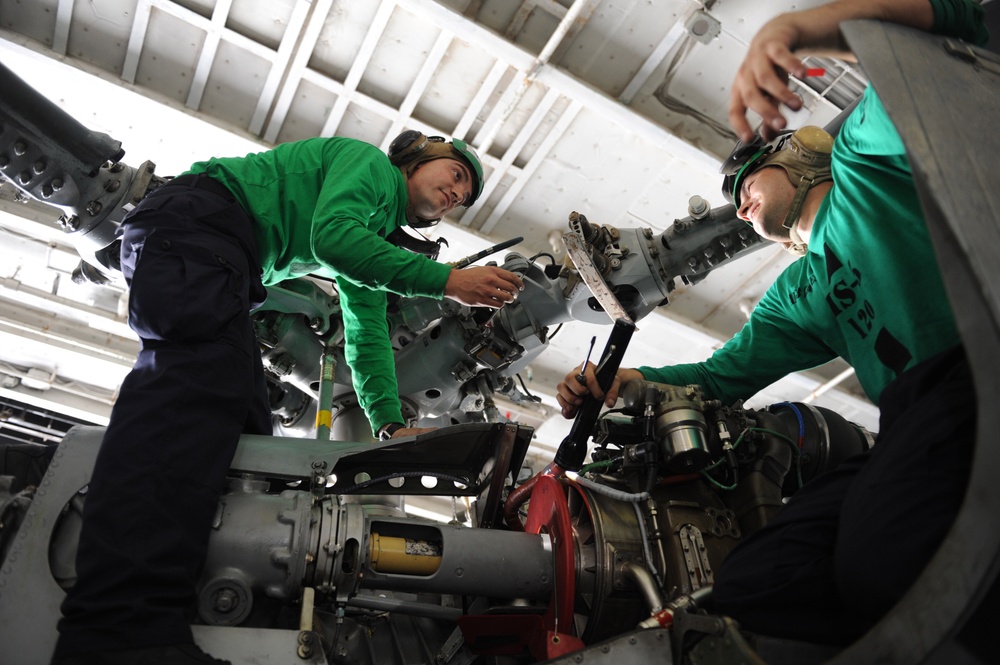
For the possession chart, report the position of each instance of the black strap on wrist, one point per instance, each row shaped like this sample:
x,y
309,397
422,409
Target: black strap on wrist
x,y
386,432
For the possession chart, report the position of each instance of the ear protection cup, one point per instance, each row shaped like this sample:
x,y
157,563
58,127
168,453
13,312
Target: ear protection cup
x,y
812,146
406,146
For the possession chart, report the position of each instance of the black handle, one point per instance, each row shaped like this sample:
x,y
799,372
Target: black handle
x,y
573,449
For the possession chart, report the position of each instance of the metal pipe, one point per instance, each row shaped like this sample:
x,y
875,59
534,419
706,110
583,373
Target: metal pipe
x,y
647,585
324,411
832,383
405,607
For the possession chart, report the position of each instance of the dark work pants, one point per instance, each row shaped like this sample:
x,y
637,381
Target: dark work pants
x,y
190,257
851,542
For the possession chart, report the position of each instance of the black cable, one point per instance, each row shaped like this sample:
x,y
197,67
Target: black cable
x,y
526,391
545,254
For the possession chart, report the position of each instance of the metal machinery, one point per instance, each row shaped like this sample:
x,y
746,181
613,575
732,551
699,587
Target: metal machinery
x,y
311,558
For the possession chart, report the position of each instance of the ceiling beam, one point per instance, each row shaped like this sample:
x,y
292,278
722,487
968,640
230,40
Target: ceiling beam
x,y
294,34
361,60
533,164
526,132
64,18
418,87
206,58
297,69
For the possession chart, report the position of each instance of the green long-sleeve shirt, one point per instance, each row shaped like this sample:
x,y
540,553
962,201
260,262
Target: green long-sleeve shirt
x,y
869,289
324,206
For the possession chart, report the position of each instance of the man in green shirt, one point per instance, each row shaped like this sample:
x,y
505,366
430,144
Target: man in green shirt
x,y
197,254
848,545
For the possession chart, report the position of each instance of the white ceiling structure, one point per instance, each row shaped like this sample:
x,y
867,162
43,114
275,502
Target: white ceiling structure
x,y
614,108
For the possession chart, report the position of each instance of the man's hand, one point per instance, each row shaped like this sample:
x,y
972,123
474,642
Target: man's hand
x,y
761,83
410,431
483,286
571,391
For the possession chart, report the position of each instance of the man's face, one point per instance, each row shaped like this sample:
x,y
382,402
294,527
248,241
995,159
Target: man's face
x,y
438,186
765,197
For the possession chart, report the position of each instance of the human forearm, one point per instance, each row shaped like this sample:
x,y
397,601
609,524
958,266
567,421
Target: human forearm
x,y
761,83
817,30
369,353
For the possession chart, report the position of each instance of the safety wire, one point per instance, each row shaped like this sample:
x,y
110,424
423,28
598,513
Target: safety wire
x,y
634,499
739,439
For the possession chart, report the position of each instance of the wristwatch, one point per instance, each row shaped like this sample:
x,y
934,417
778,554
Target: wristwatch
x,y
386,431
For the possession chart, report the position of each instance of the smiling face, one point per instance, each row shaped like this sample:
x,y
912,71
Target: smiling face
x,y
765,197
437,187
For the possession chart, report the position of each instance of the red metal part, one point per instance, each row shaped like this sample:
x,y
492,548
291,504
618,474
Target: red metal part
x,y
548,513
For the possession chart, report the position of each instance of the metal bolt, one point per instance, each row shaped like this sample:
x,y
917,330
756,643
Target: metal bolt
x,y
225,600
20,147
57,184
39,166
4,160
112,185
46,191
24,177
94,207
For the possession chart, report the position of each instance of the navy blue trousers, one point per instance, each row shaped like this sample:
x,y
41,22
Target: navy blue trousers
x,y
190,257
849,544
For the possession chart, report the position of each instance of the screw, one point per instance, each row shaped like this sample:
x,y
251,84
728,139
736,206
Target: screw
x,y
225,600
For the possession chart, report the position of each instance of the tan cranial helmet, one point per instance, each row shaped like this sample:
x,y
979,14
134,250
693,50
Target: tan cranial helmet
x,y
412,148
804,155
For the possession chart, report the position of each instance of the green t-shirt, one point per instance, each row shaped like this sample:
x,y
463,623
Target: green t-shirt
x,y
324,206
868,290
